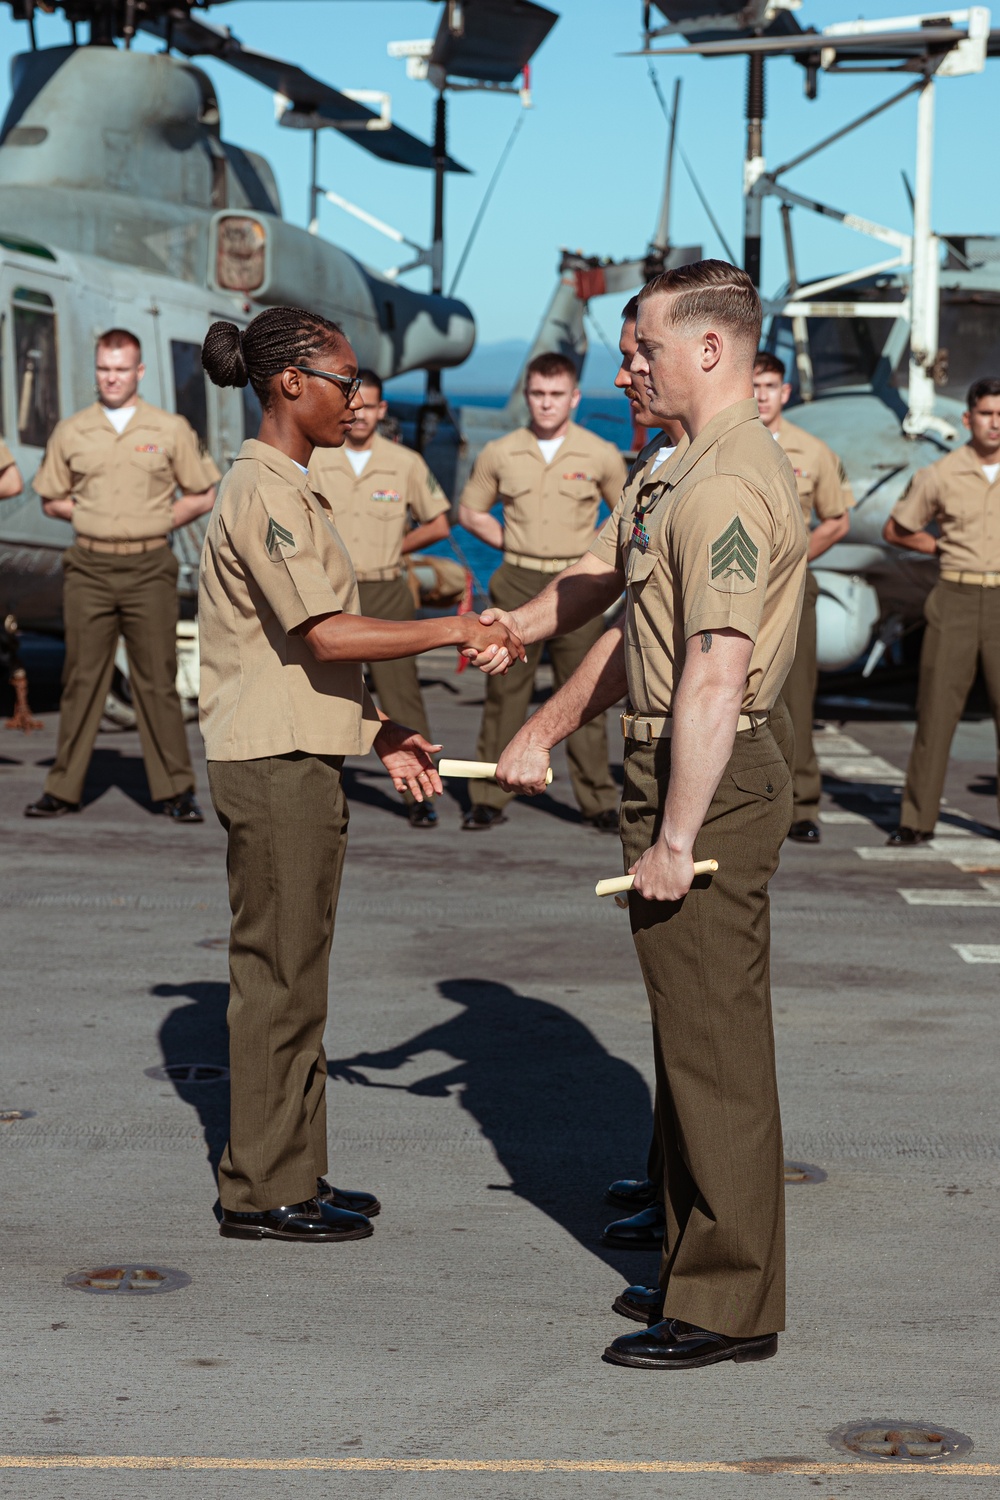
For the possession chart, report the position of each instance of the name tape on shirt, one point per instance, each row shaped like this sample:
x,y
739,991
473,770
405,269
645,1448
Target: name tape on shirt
x,y
280,542
732,560
386,495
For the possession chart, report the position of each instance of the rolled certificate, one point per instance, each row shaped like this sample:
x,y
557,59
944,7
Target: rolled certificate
x,y
476,770
620,883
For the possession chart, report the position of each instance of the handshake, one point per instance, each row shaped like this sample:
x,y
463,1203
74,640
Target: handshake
x,y
490,641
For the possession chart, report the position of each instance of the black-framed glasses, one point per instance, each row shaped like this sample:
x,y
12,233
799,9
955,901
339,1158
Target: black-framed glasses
x,y
351,383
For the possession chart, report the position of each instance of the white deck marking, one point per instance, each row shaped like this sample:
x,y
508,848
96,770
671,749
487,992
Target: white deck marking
x,y
978,953
844,817
946,897
962,852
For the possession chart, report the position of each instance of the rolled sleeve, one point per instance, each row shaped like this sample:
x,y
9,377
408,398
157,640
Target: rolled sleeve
x,y
605,543
918,507
721,538
483,488
426,499
54,480
194,469
289,573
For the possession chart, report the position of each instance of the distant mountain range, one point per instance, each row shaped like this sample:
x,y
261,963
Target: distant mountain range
x,y
493,368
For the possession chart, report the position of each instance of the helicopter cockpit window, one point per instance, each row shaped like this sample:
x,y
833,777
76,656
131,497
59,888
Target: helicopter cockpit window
x,y
240,253
36,365
190,395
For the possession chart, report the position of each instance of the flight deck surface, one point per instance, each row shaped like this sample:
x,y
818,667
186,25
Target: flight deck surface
x,y
490,1058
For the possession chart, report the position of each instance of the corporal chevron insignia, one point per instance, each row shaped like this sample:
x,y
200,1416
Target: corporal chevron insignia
x,y
279,541
732,560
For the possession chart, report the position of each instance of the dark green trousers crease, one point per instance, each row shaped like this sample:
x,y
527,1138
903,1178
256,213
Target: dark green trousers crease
x,y
286,819
706,966
397,683
508,699
799,693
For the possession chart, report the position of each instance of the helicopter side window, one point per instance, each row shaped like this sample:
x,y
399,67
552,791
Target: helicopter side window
x,y
36,365
190,395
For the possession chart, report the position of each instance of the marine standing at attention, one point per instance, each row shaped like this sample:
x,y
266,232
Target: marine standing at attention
x,y
385,503
713,558
282,702
114,470
550,477
961,493
826,495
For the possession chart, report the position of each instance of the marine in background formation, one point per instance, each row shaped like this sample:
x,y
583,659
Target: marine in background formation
x,y
550,478
827,499
712,554
385,502
961,494
114,471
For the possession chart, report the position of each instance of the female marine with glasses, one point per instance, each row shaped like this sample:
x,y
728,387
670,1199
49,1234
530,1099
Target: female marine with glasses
x,y
282,702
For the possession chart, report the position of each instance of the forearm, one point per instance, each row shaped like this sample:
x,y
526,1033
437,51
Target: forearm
x,y
827,534
347,637
189,507
61,509
482,525
573,597
428,532
11,483
705,716
911,541
598,682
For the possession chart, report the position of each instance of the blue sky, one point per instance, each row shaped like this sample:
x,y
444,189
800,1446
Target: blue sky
x,y
587,165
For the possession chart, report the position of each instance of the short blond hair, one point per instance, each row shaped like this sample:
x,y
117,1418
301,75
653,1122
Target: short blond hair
x,y
710,292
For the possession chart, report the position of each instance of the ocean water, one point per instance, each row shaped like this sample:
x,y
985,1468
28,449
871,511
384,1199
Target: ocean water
x,y
605,415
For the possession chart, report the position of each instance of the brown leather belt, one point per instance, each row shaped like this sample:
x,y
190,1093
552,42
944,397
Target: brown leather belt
x,y
980,580
539,564
645,728
121,549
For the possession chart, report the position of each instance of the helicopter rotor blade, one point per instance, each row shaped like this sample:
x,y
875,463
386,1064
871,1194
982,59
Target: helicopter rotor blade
x,y
308,94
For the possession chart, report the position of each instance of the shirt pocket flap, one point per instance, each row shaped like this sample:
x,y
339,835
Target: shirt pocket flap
x,y
762,781
639,565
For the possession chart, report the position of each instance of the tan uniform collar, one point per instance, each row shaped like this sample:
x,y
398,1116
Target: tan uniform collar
x,y
528,444
279,463
721,424
966,460
94,418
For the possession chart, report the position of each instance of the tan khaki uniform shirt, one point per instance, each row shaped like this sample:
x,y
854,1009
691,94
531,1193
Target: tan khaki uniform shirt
x,y
823,486
549,510
718,542
956,493
6,457
124,484
272,560
372,510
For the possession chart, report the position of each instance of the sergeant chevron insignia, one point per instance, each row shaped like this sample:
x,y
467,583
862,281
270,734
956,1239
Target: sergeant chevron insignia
x,y
732,560
280,542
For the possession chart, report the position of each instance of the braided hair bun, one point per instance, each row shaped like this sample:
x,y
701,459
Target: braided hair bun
x,y
277,337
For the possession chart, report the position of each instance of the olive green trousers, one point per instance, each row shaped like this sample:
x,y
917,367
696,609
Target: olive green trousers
x,y
799,693
963,630
397,683
705,961
286,821
509,697
136,597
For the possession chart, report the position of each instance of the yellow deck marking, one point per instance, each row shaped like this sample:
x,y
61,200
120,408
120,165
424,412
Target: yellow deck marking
x,y
486,1465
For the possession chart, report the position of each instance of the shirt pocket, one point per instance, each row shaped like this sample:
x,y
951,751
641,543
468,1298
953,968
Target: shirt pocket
x,y
386,507
578,490
152,470
639,565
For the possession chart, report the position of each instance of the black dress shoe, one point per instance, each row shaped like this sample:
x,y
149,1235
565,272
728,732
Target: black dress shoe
x,y
357,1203
422,815
309,1222
643,1304
481,816
674,1345
48,806
183,809
606,821
643,1231
907,837
804,832
631,1191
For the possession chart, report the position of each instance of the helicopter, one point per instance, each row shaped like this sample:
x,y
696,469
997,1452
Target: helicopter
x,y
122,203
879,359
